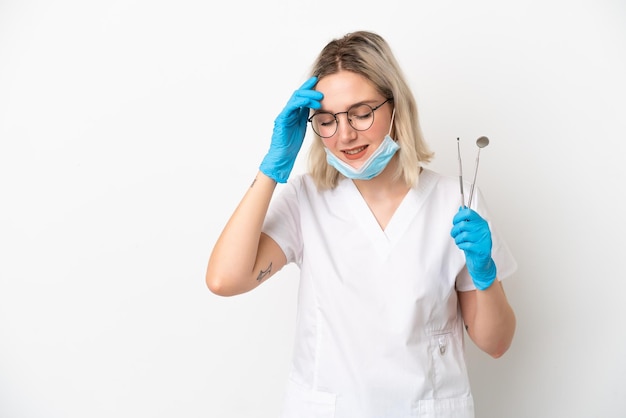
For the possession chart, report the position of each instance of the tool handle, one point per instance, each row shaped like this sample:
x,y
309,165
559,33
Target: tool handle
x,y
469,203
458,149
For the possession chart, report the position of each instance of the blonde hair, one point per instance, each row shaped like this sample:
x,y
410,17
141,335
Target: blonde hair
x,y
369,55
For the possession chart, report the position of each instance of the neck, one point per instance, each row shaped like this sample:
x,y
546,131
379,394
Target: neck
x,y
384,184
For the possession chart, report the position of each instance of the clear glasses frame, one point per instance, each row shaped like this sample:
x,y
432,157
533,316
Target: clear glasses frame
x,y
347,112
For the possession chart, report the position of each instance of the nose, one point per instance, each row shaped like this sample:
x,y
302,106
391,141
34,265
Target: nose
x,y
345,131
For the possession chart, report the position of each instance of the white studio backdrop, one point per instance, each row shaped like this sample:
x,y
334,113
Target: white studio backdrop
x,y
130,129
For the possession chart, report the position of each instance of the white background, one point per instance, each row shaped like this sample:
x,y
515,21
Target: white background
x,y
129,130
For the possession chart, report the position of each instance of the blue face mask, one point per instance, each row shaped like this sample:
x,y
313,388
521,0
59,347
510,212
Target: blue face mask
x,y
373,166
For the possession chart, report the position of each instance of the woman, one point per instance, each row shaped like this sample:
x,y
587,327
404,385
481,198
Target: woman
x,y
391,267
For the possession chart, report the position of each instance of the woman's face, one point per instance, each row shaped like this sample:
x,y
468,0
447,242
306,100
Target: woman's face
x,y
341,91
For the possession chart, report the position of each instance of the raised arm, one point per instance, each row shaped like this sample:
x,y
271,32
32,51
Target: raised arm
x,y
489,319
243,257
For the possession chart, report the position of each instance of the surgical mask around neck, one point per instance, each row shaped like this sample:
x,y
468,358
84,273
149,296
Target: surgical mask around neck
x,y
373,166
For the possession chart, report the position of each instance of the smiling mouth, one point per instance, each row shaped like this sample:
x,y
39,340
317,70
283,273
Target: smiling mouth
x,y
355,150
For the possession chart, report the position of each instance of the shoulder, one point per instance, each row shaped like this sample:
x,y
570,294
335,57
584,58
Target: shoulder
x,y
304,183
441,192
299,187
437,180
301,182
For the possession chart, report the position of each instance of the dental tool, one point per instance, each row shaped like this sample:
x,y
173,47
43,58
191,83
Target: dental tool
x,y
481,142
458,149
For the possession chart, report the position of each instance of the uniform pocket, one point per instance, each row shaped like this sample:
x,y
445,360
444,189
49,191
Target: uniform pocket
x,y
445,408
448,373
304,403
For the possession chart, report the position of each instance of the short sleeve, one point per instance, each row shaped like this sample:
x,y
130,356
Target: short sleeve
x,y
282,222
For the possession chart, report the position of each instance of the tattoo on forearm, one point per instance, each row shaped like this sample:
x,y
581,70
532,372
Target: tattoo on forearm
x,y
264,273
253,181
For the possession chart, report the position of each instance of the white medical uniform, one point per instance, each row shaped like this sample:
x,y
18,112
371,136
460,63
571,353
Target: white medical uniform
x,y
379,333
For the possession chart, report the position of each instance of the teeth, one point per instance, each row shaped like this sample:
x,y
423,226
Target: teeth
x,y
354,151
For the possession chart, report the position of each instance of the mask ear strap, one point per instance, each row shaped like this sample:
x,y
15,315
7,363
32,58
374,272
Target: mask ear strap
x,y
393,114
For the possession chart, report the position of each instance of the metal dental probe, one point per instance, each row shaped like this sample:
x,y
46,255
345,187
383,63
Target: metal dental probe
x,y
458,149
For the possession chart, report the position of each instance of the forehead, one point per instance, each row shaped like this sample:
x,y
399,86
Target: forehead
x,y
345,88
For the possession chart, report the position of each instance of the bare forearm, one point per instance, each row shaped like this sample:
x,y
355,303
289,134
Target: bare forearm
x,y
233,258
492,325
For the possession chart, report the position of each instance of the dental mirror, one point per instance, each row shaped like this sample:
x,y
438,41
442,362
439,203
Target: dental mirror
x,y
481,143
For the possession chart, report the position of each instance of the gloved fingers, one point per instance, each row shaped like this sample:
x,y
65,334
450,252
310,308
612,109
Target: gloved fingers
x,y
468,227
300,102
289,131
479,228
468,247
464,231
306,98
475,254
298,106
466,214
309,84
468,220
471,233
468,237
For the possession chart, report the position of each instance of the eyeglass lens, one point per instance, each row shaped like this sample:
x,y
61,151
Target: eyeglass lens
x,y
360,117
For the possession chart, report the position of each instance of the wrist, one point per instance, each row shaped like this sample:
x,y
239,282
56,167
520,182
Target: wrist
x,y
275,168
483,274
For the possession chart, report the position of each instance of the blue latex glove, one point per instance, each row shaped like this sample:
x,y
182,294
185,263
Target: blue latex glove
x,y
289,131
472,235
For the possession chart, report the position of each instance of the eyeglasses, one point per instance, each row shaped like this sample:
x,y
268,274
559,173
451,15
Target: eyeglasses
x,y
360,117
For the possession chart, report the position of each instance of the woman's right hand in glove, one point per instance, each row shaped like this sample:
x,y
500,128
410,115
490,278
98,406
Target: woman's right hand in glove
x,y
289,131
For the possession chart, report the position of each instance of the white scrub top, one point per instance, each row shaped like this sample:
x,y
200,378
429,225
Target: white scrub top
x,y
379,332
